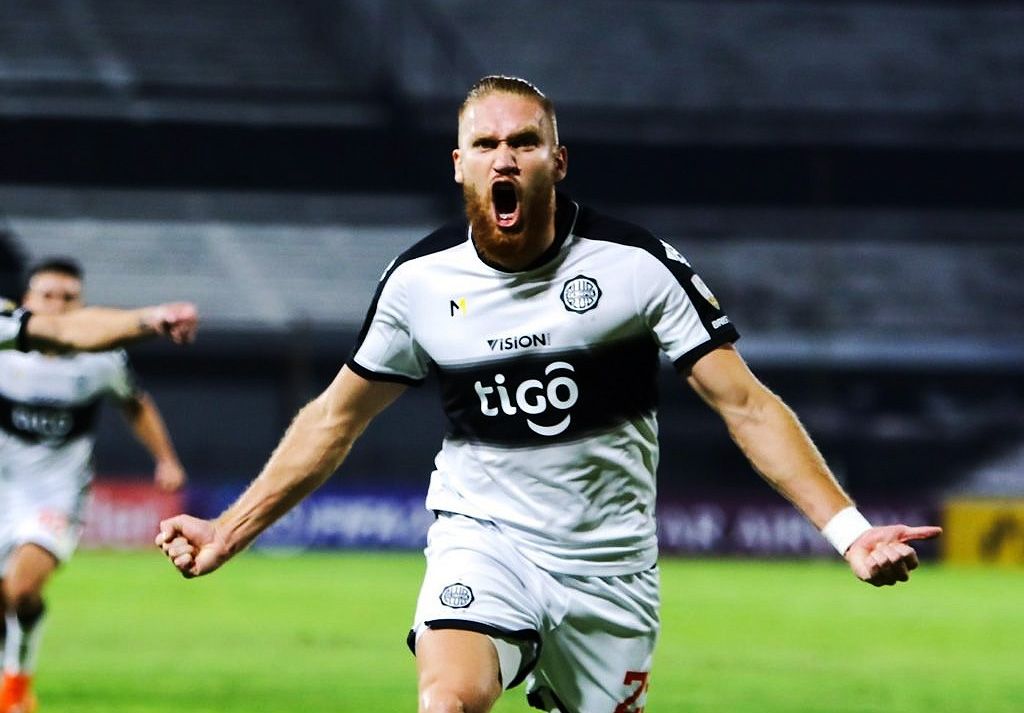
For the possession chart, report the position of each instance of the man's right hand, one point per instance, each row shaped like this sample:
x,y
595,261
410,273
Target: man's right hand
x,y
192,545
178,321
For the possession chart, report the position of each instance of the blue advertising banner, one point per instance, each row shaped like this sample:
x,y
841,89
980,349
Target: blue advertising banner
x,y
337,519
390,520
765,528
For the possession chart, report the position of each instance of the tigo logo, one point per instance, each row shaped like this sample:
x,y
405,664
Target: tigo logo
x,y
533,397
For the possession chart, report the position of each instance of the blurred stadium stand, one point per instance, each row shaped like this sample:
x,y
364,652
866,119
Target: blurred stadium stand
x,y
662,70
848,177
829,286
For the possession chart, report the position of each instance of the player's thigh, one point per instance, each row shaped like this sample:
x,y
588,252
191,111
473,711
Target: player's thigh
x,y
457,667
54,529
599,657
28,569
476,583
45,511
593,671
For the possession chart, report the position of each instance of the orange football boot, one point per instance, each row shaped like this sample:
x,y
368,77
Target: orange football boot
x,y
16,695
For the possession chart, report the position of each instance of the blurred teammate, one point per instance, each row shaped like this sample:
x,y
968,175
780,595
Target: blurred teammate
x,y
544,321
49,402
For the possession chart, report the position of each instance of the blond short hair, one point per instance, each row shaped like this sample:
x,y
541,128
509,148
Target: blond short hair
x,y
494,83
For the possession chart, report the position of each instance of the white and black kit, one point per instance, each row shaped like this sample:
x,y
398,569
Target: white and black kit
x,y
48,410
548,380
12,326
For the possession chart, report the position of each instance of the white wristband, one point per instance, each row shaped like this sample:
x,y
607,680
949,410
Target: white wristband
x,y
844,528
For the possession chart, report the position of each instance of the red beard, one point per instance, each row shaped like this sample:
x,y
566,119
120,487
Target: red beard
x,y
514,247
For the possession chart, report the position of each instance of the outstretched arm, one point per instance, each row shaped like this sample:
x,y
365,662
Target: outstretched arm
x,y
772,438
148,426
102,328
312,448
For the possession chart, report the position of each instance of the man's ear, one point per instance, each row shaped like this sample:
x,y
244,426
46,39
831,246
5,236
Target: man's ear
x,y
457,161
561,163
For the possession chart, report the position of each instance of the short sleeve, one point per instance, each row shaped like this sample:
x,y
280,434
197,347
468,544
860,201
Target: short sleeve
x,y
121,382
386,349
13,326
679,308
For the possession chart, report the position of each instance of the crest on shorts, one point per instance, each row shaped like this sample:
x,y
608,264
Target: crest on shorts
x,y
457,596
580,294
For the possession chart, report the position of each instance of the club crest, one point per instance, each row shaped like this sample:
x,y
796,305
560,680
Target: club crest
x,y
580,294
457,596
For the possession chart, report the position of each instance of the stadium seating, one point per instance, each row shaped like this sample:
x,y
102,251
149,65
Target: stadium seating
x,y
725,71
820,286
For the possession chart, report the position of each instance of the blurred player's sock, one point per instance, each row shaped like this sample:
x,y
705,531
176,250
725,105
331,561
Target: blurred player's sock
x,y
22,645
16,695
20,650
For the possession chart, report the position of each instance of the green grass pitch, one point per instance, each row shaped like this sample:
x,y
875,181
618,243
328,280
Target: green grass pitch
x,y
325,632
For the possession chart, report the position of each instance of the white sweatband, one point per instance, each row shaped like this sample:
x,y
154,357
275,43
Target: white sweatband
x,y
844,528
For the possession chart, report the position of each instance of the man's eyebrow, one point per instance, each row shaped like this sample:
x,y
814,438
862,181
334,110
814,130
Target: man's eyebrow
x,y
529,132
532,132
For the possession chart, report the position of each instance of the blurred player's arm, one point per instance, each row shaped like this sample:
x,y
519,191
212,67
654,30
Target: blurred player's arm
x,y
778,447
142,414
313,447
102,328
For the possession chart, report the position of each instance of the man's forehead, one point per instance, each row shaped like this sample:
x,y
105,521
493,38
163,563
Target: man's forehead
x,y
49,279
502,111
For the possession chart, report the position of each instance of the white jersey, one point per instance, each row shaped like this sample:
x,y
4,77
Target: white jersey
x,y
548,379
12,326
48,410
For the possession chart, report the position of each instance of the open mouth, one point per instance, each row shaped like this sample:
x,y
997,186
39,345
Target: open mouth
x,y
506,204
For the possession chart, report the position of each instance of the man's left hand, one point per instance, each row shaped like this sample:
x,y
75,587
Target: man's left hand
x,y
169,475
882,557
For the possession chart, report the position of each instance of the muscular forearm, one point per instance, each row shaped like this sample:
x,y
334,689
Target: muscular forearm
x,y
772,438
314,447
310,451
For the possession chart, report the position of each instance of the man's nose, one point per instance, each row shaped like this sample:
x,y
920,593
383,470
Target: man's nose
x,y
505,159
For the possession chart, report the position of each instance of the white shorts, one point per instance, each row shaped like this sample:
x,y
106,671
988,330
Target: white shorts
x,y
42,499
587,641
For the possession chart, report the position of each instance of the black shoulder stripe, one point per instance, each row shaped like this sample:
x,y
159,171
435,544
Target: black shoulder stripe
x,y
22,344
445,237
594,226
